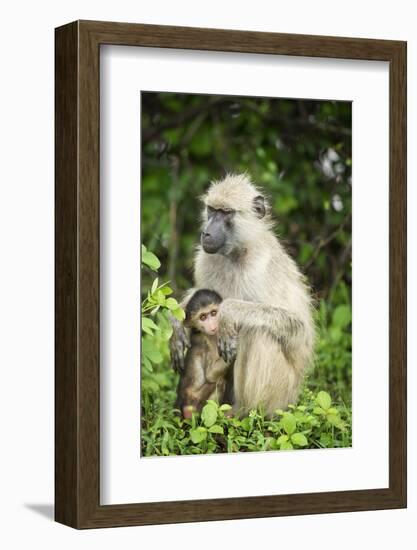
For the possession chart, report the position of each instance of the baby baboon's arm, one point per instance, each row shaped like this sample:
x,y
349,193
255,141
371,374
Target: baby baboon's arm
x,y
180,339
178,344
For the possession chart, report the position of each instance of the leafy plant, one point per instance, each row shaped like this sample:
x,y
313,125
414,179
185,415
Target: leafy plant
x,y
333,360
155,308
315,422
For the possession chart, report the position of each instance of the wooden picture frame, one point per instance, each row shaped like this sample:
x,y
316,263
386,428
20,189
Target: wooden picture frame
x,y
77,374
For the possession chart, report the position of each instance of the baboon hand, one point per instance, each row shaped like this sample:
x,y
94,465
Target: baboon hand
x,y
178,344
227,348
228,336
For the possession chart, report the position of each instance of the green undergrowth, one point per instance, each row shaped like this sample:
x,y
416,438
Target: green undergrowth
x,y
314,423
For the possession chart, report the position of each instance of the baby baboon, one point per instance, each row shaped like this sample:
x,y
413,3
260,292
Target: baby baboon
x,y
265,298
204,373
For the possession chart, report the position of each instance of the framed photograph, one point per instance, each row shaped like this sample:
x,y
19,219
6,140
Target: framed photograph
x,y
230,274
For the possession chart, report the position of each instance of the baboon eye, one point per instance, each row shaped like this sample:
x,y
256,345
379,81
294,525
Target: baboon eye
x,y
210,211
203,317
214,313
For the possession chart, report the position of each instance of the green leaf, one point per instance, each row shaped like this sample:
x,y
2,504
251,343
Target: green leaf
x,y
178,313
260,151
155,356
285,204
147,345
216,429
149,351
160,298
225,407
166,290
299,439
147,364
318,410
282,439
154,285
246,424
286,446
166,333
326,440
173,135
171,303
148,325
289,423
324,400
335,420
335,333
149,259
209,415
198,434
342,316
150,386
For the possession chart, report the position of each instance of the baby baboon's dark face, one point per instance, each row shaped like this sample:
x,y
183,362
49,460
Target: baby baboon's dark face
x,y
218,231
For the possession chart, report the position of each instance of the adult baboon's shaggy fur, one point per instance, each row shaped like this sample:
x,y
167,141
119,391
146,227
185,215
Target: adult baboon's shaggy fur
x,y
266,302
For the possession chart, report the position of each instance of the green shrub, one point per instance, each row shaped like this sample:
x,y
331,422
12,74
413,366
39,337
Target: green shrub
x,y
156,328
315,422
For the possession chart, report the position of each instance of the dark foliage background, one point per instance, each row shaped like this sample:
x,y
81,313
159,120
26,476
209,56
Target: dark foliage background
x,y
299,152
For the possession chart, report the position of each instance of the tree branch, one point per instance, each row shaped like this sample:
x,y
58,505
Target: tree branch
x,y
323,242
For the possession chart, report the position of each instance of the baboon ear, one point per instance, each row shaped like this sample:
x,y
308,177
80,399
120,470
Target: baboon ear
x,y
258,205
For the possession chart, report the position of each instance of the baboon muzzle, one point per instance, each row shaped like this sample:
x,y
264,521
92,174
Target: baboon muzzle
x,y
213,237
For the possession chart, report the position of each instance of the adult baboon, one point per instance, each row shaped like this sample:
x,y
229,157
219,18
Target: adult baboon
x,y
265,298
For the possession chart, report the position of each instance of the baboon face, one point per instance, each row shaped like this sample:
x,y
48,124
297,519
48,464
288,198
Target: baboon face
x,y
218,231
207,321
201,311
232,215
